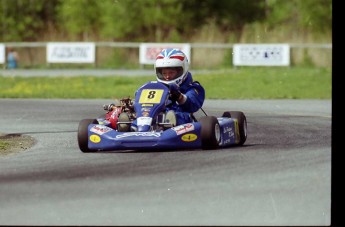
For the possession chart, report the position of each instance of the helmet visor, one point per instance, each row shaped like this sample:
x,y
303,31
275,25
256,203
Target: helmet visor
x,y
169,73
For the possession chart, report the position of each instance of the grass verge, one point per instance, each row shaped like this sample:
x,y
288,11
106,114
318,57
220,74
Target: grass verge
x,y
11,143
241,83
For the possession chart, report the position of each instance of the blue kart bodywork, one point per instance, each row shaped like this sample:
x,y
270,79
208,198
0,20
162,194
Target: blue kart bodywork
x,y
208,132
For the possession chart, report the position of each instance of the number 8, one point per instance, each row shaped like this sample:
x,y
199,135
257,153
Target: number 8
x,y
151,94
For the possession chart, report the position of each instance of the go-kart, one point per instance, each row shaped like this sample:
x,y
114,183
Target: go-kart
x,y
155,129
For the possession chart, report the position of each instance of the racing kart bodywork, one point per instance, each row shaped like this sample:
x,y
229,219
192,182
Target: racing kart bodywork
x,y
154,130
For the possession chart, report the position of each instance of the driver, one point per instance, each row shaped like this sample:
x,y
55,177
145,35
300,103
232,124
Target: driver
x,y
187,96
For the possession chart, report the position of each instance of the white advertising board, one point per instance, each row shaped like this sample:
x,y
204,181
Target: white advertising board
x,y
2,53
149,51
261,54
67,52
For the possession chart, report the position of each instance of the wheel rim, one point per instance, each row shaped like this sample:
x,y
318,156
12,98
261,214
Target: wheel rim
x,y
245,128
217,132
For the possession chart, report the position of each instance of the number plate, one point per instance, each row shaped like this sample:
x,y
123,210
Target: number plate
x,y
151,96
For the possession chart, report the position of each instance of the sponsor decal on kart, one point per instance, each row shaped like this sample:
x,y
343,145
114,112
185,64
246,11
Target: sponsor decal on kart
x,y
145,114
145,134
100,129
225,141
189,137
228,129
103,121
180,129
228,135
95,138
144,120
145,109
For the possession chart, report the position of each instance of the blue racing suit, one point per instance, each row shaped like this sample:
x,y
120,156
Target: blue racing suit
x,y
195,94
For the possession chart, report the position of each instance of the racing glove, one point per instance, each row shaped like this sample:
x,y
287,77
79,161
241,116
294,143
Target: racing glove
x,y
174,92
108,107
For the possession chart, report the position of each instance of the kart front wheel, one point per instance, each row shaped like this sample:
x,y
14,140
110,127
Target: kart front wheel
x,y
210,132
83,137
242,125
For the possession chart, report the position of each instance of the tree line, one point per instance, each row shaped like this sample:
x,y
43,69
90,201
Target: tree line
x,y
153,20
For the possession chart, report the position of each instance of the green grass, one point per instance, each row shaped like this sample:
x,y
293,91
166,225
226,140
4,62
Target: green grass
x,y
3,147
240,83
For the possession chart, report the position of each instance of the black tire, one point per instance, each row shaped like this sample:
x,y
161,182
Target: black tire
x,y
123,117
210,132
242,124
227,114
83,137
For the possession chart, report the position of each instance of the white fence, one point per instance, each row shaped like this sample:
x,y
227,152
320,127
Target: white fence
x,y
2,54
71,52
270,54
261,55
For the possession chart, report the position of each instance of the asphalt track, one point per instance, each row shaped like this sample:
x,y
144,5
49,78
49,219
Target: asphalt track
x,y
281,176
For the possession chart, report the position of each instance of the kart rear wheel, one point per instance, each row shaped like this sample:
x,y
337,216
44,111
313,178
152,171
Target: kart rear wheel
x,y
210,132
83,137
123,127
227,114
242,124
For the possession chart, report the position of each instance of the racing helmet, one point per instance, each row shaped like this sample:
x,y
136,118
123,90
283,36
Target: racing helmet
x,y
175,59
